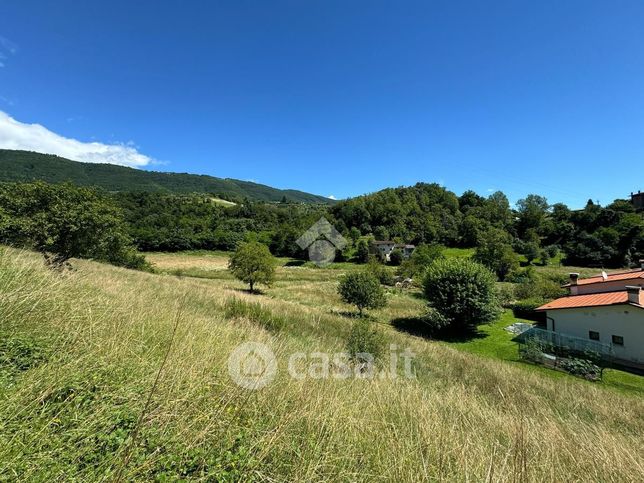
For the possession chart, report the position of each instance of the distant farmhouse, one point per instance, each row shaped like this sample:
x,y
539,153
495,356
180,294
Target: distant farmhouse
x,y
608,308
638,200
384,248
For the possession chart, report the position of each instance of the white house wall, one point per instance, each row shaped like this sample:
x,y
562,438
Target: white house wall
x,y
623,320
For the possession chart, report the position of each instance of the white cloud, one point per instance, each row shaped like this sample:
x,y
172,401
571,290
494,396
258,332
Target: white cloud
x,y
34,137
331,197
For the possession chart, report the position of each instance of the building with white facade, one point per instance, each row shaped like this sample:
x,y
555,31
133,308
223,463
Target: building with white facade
x,y
608,308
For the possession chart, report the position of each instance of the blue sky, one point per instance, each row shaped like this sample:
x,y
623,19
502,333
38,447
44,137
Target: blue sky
x,y
337,97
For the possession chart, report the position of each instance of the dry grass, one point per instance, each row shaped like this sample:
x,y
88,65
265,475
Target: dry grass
x,y
106,331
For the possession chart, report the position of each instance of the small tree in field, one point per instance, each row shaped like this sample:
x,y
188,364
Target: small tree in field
x,y
462,291
362,251
363,290
252,263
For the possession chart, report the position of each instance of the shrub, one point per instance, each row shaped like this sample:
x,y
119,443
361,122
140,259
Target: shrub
x,y
581,368
396,257
382,273
252,263
525,309
421,258
533,350
363,290
434,320
462,291
505,294
364,338
539,287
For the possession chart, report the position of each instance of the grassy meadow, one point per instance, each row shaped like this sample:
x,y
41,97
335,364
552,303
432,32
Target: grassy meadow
x,y
118,375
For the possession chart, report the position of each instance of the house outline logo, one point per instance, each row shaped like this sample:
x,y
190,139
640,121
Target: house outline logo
x,y
252,365
321,240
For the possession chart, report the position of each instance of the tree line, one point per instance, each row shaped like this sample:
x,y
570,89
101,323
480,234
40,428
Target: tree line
x,y
64,217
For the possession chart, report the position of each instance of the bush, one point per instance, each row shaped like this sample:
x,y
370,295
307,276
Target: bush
x,y
525,309
382,273
252,263
421,258
363,290
505,294
533,350
434,320
396,257
581,368
364,338
539,287
462,291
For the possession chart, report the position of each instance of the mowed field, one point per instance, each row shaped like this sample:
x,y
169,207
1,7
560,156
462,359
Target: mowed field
x,y
112,374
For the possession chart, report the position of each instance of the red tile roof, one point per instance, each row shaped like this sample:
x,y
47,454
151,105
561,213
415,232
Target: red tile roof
x,y
591,300
613,277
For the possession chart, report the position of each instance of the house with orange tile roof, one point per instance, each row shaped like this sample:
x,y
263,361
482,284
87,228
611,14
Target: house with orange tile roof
x,y
607,308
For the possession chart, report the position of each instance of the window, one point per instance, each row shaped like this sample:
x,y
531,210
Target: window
x,y
592,335
618,340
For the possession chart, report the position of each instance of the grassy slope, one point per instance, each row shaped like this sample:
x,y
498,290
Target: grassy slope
x,y
104,331
28,166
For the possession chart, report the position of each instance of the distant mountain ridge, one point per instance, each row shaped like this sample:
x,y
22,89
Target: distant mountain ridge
x,y
25,166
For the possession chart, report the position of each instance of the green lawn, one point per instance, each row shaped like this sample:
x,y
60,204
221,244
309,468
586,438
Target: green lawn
x,y
458,252
496,342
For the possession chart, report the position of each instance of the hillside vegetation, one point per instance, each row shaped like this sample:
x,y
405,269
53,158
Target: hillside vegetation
x,y
25,166
108,373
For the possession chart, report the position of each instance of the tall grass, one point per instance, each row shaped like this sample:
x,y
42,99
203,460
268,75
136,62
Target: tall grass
x,y
102,403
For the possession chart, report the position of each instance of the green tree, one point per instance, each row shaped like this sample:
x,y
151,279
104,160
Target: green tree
x,y
64,221
533,210
252,263
422,257
354,234
531,251
362,251
462,291
495,252
363,290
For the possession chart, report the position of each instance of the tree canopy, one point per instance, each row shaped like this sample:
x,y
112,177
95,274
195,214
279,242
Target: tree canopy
x,y
65,221
252,263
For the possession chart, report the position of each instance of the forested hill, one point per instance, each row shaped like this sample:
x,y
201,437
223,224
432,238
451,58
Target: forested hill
x,y
596,236
23,166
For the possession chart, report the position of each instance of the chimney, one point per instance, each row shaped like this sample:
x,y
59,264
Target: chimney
x,y
633,294
573,278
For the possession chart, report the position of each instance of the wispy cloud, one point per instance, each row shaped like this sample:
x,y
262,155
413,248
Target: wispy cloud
x,y
7,49
331,197
34,137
